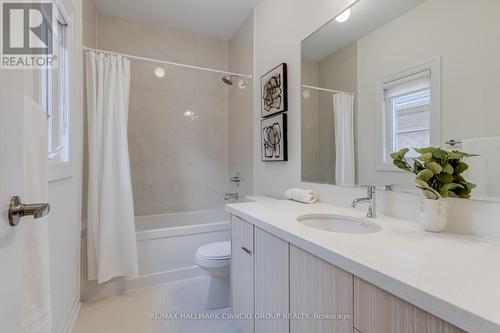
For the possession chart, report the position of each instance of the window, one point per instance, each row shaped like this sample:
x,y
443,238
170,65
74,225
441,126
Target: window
x,y
408,106
55,91
409,109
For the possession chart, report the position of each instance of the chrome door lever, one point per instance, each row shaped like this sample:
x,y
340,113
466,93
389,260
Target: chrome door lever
x,y
18,210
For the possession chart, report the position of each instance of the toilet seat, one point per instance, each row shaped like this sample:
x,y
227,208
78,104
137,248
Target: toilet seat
x,y
215,251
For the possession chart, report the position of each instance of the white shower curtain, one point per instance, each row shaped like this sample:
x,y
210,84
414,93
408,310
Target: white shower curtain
x,y
111,241
343,110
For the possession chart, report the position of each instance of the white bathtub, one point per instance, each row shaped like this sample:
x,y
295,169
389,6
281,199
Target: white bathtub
x,y
166,245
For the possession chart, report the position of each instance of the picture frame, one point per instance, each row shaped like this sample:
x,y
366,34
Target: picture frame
x,y
274,143
274,91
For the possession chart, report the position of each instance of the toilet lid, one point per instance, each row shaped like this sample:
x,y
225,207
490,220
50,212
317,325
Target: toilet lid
x,y
215,251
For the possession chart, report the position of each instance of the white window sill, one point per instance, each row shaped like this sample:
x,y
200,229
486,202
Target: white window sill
x,y
388,168
59,171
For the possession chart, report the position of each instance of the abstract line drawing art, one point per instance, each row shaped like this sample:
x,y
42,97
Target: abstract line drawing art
x,y
274,91
274,138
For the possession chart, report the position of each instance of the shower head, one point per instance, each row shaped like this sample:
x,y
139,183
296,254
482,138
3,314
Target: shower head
x,y
242,82
228,79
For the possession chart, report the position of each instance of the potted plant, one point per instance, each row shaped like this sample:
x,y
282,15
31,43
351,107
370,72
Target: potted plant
x,y
439,176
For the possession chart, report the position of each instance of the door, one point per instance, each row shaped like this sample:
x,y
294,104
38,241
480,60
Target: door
x,y
242,273
271,282
11,183
13,138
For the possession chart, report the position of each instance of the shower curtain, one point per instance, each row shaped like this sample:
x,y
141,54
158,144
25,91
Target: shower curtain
x,y
343,111
111,240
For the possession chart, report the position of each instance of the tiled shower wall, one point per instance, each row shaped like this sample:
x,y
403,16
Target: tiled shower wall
x,y
240,129
178,162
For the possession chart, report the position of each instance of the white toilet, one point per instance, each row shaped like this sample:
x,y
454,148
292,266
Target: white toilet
x,y
215,258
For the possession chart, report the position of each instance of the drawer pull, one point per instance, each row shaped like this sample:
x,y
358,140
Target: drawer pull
x,y
246,250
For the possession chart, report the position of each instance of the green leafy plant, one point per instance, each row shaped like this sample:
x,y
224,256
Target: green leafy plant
x,y
438,172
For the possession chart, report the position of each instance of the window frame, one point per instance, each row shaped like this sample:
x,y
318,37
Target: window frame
x,y
59,170
384,122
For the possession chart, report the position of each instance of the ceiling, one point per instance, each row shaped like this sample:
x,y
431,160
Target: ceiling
x,y
366,16
213,18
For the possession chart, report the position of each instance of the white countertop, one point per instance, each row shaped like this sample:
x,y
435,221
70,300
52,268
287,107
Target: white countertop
x,y
454,277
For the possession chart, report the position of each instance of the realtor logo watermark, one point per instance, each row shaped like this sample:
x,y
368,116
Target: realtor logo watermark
x,y
28,35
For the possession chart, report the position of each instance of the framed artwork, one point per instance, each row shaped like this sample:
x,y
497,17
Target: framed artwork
x,y
274,95
274,138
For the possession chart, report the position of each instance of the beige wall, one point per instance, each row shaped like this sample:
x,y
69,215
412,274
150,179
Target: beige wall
x,y
89,23
470,72
177,163
337,71
310,124
240,107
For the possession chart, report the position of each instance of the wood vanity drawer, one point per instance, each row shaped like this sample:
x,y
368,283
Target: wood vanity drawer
x,y
318,287
377,311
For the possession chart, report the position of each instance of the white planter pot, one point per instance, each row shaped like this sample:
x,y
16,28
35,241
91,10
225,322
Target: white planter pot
x,y
433,214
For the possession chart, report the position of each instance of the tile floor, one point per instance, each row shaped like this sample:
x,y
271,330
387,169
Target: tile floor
x,y
130,312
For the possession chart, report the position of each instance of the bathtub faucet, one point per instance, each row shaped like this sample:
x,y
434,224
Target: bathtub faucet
x,y
231,196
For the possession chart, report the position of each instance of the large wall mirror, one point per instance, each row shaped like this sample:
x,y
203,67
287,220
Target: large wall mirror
x,y
390,74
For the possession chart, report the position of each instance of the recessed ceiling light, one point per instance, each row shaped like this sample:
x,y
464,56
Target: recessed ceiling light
x,y
159,72
344,16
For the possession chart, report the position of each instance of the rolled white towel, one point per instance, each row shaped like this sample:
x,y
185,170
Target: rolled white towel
x,y
297,194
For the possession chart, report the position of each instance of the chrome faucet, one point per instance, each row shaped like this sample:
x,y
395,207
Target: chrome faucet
x,y
231,196
235,179
371,198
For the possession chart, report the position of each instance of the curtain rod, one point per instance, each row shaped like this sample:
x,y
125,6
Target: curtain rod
x,y
86,48
327,90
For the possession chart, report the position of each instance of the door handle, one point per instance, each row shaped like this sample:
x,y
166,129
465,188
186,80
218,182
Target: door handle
x,y
246,250
18,210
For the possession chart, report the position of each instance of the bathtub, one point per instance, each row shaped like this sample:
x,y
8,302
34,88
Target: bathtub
x,y
166,245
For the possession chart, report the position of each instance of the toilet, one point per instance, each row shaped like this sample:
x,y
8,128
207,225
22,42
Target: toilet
x,y
215,258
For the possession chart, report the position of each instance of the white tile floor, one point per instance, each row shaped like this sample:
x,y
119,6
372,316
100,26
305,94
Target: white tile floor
x,y
130,313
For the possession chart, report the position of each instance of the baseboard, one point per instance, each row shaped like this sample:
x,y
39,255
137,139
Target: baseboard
x,y
68,324
120,286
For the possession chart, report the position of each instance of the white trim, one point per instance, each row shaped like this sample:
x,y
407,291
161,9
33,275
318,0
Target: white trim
x,y
434,66
70,320
59,171
118,286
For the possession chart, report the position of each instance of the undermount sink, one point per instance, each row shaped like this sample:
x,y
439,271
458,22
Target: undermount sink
x,y
339,223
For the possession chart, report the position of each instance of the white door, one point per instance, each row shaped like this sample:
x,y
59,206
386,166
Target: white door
x,y
13,84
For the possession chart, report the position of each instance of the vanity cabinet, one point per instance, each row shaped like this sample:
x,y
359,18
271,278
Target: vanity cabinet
x,y
259,278
271,282
270,276
318,287
377,311
242,272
